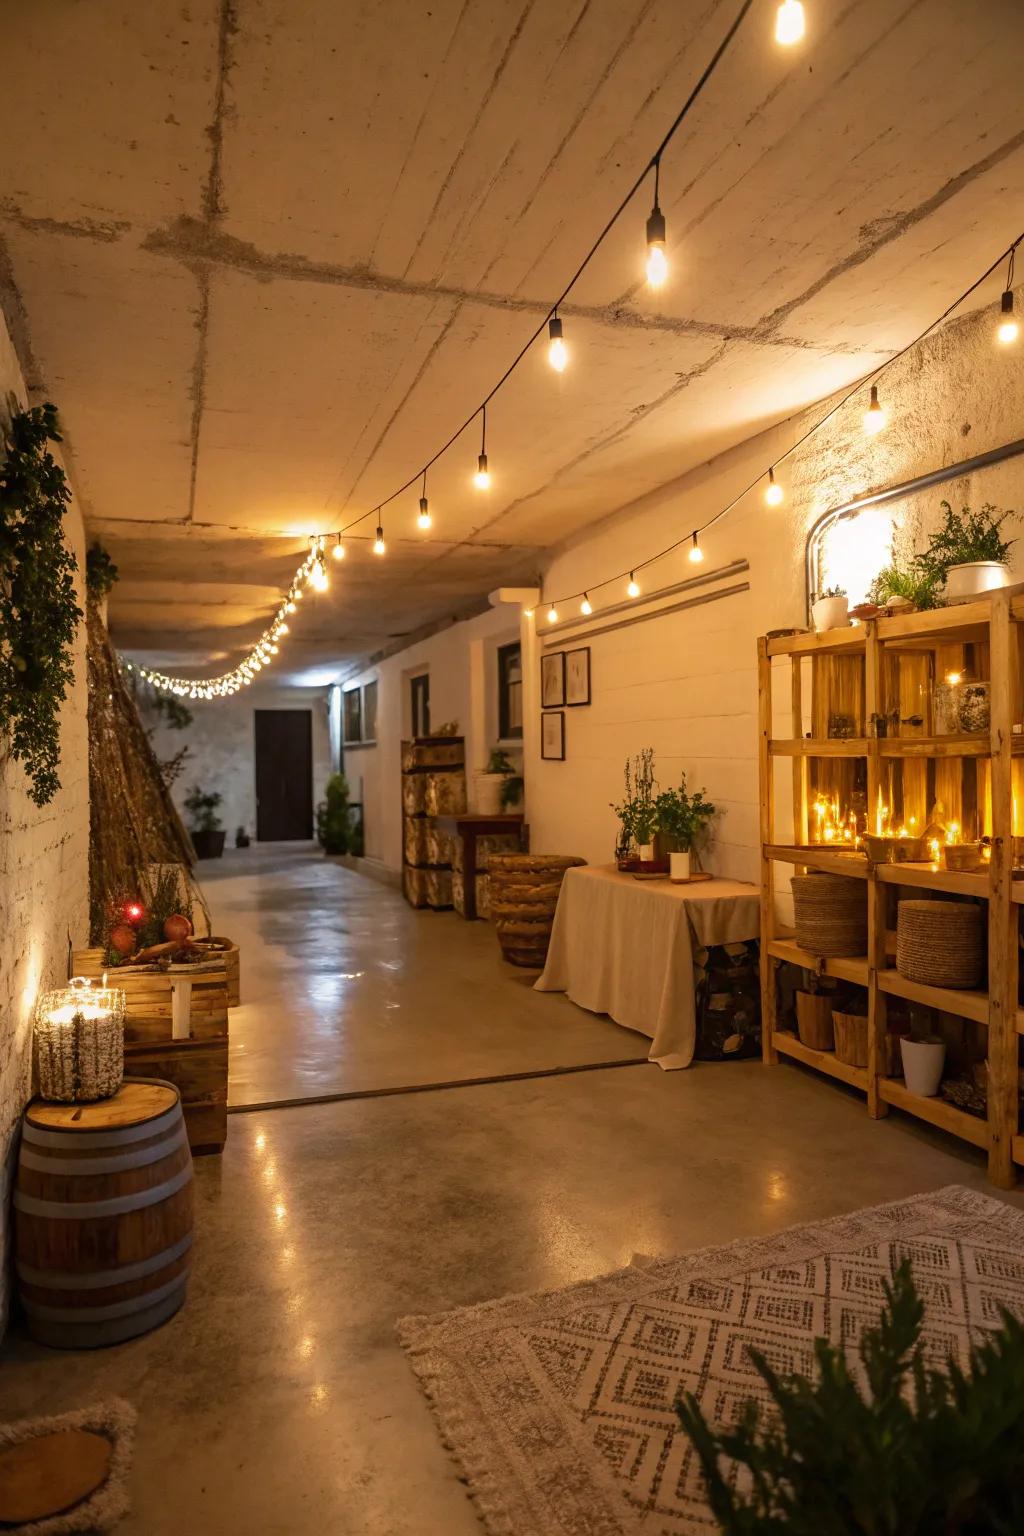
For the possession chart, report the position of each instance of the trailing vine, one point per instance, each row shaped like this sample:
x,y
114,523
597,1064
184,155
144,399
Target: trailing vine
x,y
39,613
100,571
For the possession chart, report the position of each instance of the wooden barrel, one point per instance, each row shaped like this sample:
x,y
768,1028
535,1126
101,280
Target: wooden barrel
x,y
103,1213
524,891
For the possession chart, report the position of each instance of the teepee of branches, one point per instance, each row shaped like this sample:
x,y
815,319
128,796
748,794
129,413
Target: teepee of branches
x,y
133,823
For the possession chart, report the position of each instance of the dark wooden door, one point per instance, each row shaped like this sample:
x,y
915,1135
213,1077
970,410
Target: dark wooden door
x,y
284,775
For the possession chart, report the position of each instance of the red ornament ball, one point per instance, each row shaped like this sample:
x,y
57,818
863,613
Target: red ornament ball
x,y
177,928
123,939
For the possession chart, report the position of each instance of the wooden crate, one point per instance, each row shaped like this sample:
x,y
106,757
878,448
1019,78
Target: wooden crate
x,y
428,887
199,1071
148,998
433,752
232,970
425,843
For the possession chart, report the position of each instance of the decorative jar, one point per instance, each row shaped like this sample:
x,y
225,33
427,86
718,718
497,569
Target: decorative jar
x,y
79,1041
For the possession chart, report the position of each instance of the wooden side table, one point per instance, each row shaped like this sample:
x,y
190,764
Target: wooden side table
x,y
470,828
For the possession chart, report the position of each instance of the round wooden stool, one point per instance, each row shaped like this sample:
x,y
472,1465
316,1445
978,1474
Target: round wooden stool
x,y
103,1211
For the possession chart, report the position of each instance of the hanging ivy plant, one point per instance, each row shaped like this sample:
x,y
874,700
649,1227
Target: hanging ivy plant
x,y
100,571
39,613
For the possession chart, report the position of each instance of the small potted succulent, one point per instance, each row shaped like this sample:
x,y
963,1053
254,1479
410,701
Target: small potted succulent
x,y
205,827
682,819
968,553
830,609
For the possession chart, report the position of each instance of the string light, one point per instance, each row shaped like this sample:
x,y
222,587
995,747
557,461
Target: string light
x,y
482,478
339,549
423,520
318,578
789,23
633,590
558,354
696,553
773,492
874,417
1008,329
378,544
657,261
552,614
585,606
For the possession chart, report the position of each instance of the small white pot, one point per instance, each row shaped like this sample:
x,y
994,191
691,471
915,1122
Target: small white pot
x,y
645,853
487,793
831,613
923,1061
976,577
679,866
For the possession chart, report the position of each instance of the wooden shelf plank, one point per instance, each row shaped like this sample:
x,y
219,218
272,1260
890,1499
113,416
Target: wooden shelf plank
x,y
936,1111
975,745
926,878
844,968
823,857
810,644
822,1061
965,1004
819,746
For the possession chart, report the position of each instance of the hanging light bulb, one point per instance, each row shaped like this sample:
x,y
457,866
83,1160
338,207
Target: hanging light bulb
x,y
282,628
1008,328
482,478
585,607
633,589
657,261
423,520
339,549
773,492
874,417
558,354
789,23
552,614
378,543
289,606
696,553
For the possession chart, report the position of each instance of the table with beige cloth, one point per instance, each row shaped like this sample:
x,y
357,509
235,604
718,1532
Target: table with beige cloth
x,y
625,947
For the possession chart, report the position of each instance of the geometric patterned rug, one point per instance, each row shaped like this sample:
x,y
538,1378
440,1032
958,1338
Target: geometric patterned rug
x,y
559,1407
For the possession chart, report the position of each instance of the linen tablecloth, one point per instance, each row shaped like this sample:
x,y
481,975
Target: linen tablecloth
x,y
625,947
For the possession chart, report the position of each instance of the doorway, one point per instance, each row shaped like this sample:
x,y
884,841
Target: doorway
x,y
284,775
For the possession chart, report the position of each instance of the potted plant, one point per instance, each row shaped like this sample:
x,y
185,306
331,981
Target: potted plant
x,y
830,609
332,816
205,828
638,816
902,591
682,818
968,552
491,784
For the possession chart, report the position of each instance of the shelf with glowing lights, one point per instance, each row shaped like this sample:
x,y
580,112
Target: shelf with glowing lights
x,y
828,856
788,1044
959,621
937,1112
844,968
927,878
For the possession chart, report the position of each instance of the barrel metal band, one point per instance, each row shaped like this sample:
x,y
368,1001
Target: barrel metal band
x,y
88,1210
155,1127
102,1314
61,1280
82,1167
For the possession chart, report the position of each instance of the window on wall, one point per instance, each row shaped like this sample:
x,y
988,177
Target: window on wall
x,y
849,550
419,704
370,711
353,714
510,692
360,714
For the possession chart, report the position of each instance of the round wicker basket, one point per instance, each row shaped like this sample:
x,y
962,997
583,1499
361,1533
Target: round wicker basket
x,y
940,943
831,913
524,891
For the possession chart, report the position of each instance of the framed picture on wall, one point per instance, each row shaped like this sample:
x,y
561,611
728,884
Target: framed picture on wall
x,y
552,737
577,676
552,680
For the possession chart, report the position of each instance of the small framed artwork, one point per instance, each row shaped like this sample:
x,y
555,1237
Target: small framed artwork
x,y
552,680
577,676
552,737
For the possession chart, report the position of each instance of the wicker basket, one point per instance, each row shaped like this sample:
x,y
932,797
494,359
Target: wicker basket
x,y
831,913
524,894
814,1020
940,943
962,858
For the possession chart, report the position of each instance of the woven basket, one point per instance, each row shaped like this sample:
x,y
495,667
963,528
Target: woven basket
x,y
523,895
814,1020
940,943
851,1032
831,913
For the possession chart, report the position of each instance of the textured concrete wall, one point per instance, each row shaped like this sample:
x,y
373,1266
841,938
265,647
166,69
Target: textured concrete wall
x,y
685,683
222,754
44,880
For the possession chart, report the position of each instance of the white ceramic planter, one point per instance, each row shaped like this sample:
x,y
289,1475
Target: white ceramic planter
x,y
923,1061
977,577
645,853
487,793
679,866
830,613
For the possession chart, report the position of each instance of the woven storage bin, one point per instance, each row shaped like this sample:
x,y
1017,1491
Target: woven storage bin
x,y
524,895
814,1020
940,943
831,913
851,1032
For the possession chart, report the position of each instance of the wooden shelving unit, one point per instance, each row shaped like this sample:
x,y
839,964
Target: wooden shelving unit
x,y
884,673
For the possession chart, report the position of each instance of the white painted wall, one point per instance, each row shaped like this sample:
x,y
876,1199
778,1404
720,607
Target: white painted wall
x,y
463,667
44,879
222,752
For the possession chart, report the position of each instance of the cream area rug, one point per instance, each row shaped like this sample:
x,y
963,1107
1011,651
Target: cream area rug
x,y
559,1407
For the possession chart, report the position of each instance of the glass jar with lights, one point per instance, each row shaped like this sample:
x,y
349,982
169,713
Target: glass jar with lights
x,y
79,1042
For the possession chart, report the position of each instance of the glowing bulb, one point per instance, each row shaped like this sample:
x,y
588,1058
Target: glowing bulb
x,y
298,596
527,613
773,491
378,543
482,478
657,266
318,575
585,607
339,549
633,590
558,356
423,521
874,417
1008,328
289,606
789,23
282,629
952,678
696,553
552,614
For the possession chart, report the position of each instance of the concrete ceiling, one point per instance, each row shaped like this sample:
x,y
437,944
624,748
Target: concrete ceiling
x,y
266,255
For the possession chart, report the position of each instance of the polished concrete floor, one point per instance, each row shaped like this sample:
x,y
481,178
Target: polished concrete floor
x,y
278,1401
345,989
